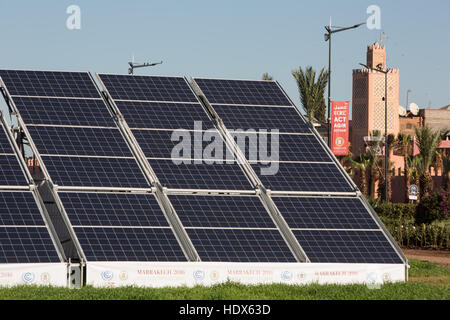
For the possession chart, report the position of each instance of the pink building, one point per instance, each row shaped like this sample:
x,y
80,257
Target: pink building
x,y
368,106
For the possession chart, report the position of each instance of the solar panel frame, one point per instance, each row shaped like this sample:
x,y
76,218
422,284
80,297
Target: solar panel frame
x,y
113,209
325,213
80,141
241,118
78,112
347,246
58,86
24,236
104,172
303,177
129,244
217,91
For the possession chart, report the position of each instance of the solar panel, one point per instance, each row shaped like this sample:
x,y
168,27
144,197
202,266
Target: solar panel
x,y
24,237
5,146
242,92
342,246
221,211
113,209
200,176
283,119
76,112
180,144
79,141
129,244
163,115
281,147
121,227
95,172
325,212
178,108
240,245
231,228
49,83
154,88
315,177
11,173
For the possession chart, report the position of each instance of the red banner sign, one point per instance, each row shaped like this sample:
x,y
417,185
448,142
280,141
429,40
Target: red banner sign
x,y
339,127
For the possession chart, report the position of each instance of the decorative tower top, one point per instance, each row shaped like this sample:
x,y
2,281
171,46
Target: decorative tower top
x,y
376,54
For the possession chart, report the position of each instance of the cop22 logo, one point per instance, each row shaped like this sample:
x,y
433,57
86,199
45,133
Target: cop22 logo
x,y
28,277
107,275
199,275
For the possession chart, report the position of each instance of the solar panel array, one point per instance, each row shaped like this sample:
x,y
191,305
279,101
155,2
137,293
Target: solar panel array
x,y
329,229
262,105
72,129
153,108
231,228
121,227
24,237
81,146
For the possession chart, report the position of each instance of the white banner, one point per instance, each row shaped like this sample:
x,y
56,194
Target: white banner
x,y
160,274
52,274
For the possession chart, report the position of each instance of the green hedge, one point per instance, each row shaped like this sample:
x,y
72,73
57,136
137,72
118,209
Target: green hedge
x,y
405,223
410,235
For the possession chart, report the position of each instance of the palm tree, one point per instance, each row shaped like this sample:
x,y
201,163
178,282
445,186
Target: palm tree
x,y
266,76
362,163
404,146
312,92
446,172
427,142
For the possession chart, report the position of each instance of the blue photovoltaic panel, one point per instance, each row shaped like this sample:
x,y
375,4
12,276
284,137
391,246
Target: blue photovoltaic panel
x,y
283,119
24,237
240,245
5,145
181,144
200,176
19,209
49,83
150,88
81,112
339,246
221,211
79,141
163,115
26,245
242,92
129,244
281,147
325,213
113,209
11,173
303,177
95,172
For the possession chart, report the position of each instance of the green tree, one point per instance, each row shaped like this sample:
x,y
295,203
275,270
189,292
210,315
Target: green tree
x,y
362,163
427,142
312,92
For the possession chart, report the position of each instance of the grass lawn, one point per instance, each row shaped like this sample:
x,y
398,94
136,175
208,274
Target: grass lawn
x,y
427,281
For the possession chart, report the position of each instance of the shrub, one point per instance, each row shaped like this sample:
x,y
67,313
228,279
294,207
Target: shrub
x,y
395,210
434,207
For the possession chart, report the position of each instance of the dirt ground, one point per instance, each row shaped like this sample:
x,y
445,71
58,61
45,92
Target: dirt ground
x,y
441,257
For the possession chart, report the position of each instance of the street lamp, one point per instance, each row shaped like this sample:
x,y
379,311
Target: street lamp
x,y
407,97
386,148
330,31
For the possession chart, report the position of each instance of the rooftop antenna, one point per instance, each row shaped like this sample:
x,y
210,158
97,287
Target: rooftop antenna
x,y
137,65
383,36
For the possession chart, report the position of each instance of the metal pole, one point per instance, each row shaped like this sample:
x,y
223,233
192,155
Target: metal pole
x,y
386,148
329,90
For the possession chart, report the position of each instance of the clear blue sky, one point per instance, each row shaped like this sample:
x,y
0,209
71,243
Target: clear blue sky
x,y
233,39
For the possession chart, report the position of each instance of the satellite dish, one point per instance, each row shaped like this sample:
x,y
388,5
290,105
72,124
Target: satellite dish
x,y
414,108
401,111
